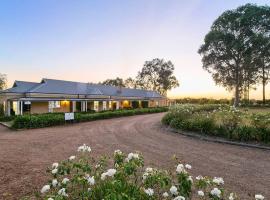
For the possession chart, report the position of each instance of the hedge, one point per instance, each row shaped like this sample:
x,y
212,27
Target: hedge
x,y
53,119
220,121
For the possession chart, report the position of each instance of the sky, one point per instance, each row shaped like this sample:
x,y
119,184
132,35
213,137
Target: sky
x,y
92,40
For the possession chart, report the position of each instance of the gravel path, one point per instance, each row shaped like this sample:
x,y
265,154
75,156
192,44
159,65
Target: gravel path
x,y
24,155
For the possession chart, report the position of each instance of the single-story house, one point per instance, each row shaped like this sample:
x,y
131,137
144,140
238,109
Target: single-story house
x,y
52,95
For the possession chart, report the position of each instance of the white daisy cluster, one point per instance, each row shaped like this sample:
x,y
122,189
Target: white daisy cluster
x,y
182,168
148,171
118,152
218,180
109,172
259,197
84,148
132,156
216,192
90,179
55,168
149,191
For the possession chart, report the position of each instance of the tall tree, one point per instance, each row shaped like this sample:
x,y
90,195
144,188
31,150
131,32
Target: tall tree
x,y
130,83
228,49
157,75
118,82
3,81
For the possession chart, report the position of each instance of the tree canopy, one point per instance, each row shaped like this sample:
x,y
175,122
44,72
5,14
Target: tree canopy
x,y
156,75
231,52
118,82
3,81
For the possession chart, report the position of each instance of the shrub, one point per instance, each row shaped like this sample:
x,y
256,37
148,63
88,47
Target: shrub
x,y
125,177
6,118
219,120
52,119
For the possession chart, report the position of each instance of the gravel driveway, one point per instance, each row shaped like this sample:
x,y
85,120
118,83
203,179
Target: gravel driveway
x,y
24,155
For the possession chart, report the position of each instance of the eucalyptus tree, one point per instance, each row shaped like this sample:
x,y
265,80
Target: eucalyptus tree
x,y
3,81
157,75
118,82
230,49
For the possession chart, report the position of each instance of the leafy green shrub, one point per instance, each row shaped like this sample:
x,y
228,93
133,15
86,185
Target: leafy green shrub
x,y
222,121
52,119
6,118
2,110
125,177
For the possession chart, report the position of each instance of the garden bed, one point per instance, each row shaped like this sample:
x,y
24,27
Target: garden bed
x,y
53,119
220,121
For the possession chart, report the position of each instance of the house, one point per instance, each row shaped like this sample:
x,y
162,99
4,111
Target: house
x,y
52,95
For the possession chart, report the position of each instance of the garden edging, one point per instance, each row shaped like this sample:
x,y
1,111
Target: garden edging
x,y
216,140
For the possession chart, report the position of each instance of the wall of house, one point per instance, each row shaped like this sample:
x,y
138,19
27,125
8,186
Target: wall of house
x,y
65,106
39,107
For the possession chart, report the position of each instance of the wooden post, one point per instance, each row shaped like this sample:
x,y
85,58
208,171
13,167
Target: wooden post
x,y
21,106
8,108
85,106
117,105
73,106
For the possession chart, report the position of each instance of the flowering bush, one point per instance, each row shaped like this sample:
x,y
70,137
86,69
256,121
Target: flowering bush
x,y
124,177
220,120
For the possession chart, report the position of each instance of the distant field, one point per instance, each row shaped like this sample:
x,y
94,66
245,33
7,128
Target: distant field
x,y
256,110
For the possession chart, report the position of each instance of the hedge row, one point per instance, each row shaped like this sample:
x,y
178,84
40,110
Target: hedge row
x,y
46,120
223,122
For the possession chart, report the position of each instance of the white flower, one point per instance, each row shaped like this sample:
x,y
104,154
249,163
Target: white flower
x,y
173,190
231,197
149,191
54,171
50,198
84,148
149,169
180,168
188,166
190,179
97,166
103,176
218,180
65,180
132,156
179,198
118,152
62,192
201,193
72,158
165,194
45,189
54,182
145,175
200,177
90,180
259,197
55,165
216,192
110,172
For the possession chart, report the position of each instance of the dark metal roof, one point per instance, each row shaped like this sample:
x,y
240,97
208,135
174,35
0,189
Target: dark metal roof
x,y
50,86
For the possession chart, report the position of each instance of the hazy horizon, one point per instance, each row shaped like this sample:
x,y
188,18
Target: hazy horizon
x,y
90,41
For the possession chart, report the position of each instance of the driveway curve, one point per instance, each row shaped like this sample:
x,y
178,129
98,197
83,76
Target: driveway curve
x,y
24,155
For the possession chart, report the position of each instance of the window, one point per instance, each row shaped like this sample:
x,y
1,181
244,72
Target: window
x,y
104,107
96,105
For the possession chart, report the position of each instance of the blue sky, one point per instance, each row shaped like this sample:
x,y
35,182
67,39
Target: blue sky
x,y
92,40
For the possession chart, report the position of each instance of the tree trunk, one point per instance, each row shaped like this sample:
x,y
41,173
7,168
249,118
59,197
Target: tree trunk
x,y
236,96
263,83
